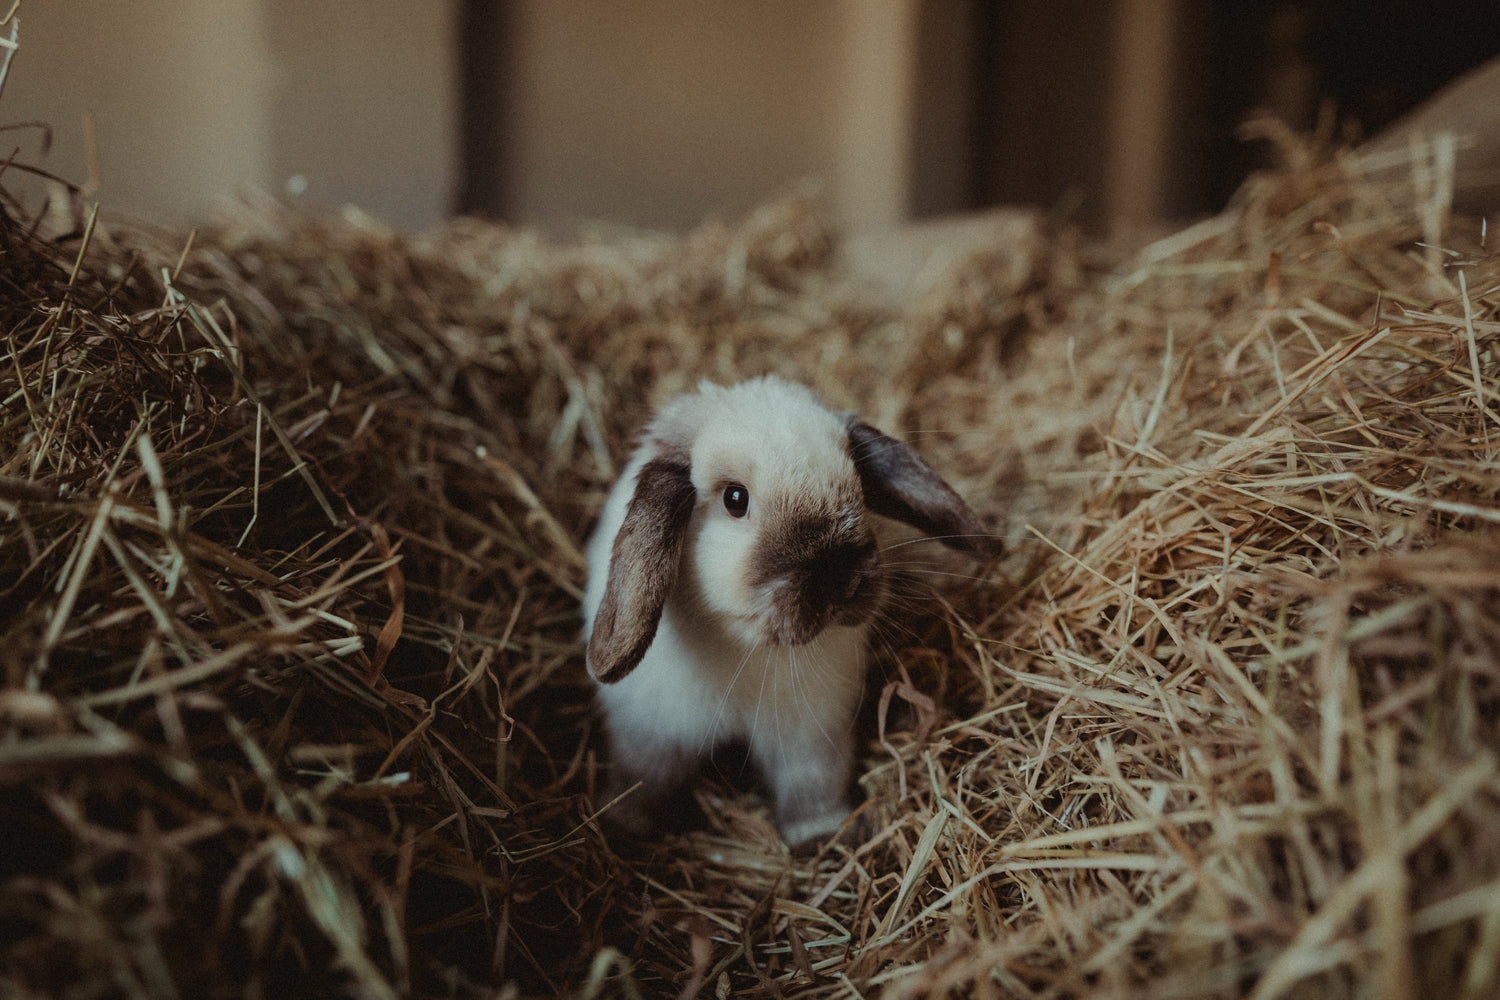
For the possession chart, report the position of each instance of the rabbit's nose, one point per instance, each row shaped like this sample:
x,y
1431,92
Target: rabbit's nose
x,y
842,573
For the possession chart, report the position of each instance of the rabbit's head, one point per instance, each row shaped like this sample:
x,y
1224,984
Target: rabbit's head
x,y
752,507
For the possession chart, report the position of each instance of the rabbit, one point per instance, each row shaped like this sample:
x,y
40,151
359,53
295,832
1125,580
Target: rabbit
x,y
733,580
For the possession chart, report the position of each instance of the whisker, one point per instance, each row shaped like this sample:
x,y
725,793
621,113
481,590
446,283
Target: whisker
x,y
819,672
903,543
709,740
950,575
760,699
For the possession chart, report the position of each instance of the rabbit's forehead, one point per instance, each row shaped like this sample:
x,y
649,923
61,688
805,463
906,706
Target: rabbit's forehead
x,y
777,456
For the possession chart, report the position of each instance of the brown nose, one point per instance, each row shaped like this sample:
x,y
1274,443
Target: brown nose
x,y
840,574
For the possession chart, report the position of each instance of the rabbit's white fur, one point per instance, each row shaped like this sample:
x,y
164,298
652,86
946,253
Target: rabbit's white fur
x,y
704,627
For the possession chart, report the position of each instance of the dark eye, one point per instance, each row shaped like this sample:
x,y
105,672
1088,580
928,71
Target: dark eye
x,y
736,500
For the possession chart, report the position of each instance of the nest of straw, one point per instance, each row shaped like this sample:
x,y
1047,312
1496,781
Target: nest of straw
x,y
291,693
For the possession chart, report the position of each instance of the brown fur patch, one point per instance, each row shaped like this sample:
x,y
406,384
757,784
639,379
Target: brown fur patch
x,y
821,560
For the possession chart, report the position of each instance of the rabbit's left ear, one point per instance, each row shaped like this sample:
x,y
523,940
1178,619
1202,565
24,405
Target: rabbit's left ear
x,y
642,568
898,484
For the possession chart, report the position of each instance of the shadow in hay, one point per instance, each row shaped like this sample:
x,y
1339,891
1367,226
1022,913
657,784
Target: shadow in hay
x,y
219,768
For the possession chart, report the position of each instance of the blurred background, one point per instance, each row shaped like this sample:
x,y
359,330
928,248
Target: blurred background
x,y
659,113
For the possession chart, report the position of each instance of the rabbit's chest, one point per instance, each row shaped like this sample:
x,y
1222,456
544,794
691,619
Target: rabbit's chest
x,y
753,689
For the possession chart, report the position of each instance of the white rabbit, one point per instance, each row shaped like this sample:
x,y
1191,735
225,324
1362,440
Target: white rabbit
x,y
733,579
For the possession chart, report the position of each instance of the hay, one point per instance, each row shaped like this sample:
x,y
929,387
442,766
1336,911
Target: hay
x,y
292,694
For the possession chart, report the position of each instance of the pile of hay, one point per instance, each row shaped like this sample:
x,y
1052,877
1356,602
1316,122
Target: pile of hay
x,y
292,698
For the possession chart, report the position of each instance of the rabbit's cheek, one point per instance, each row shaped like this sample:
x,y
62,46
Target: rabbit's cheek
x,y
719,564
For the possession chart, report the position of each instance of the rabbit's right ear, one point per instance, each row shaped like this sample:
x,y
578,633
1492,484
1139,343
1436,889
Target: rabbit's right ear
x,y
642,567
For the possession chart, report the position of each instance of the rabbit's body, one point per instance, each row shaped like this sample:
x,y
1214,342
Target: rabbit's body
x,y
792,706
734,577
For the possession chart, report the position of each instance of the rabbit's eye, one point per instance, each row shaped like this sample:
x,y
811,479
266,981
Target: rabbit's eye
x,y
736,500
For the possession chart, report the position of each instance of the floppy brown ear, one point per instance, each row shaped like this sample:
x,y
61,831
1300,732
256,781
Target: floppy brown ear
x,y
898,484
642,568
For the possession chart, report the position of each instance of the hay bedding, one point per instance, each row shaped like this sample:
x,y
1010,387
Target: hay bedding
x,y
293,700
